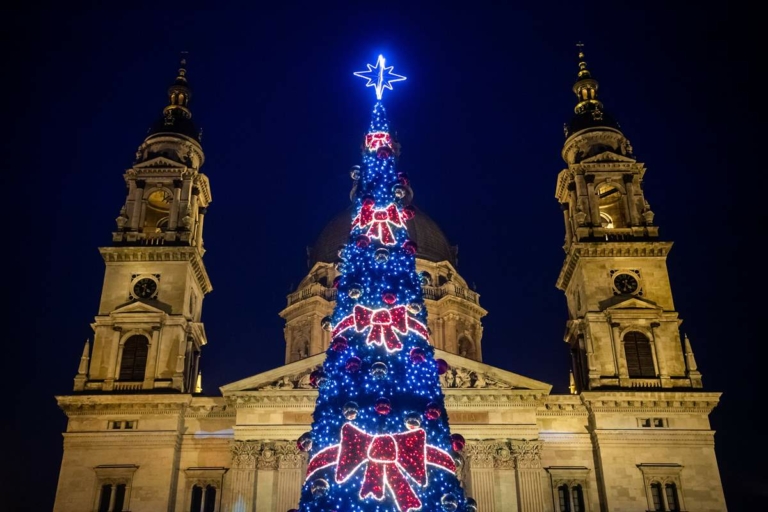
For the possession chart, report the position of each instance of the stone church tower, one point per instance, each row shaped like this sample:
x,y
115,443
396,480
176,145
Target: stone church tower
x,y
633,435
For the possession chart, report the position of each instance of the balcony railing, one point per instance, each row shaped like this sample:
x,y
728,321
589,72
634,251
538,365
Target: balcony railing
x,y
128,385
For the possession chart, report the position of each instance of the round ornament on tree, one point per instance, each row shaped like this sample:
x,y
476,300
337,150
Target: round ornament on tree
x,y
336,281
383,406
381,255
457,442
317,378
449,502
319,487
363,241
350,410
414,308
355,292
418,355
425,279
339,344
327,323
471,505
403,178
413,420
433,411
354,173
353,364
399,191
410,247
389,298
304,443
442,366
379,370
408,212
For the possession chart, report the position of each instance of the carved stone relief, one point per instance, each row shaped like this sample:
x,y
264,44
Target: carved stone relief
x,y
464,378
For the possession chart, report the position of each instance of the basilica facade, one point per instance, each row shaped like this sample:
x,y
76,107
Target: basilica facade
x,y
633,435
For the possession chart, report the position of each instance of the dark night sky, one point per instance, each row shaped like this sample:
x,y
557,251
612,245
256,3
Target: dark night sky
x,y
480,120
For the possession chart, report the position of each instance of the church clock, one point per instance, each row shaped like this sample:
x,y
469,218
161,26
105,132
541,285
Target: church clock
x,y
145,288
625,283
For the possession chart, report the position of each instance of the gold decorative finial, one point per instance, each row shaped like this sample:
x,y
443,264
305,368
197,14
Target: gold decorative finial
x,y
583,71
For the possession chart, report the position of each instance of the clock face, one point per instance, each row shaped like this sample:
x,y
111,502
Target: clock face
x,y
625,283
145,288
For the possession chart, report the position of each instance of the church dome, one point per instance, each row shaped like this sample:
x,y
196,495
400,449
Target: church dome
x,y
431,242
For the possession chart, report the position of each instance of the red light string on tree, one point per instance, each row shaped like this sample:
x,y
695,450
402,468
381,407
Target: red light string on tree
x,y
390,459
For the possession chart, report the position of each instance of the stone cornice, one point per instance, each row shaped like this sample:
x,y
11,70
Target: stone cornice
x,y
160,253
562,405
97,405
135,439
209,407
637,249
650,401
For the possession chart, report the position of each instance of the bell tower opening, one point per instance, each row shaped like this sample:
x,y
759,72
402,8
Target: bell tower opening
x,y
157,211
609,201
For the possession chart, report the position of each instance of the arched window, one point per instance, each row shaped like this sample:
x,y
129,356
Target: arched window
x,y
106,496
197,499
637,349
656,496
672,501
157,209
564,499
466,347
134,362
610,205
203,499
578,498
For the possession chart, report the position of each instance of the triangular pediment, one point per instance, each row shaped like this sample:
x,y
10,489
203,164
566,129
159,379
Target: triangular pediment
x,y
159,162
290,376
463,374
608,156
470,374
634,303
137,307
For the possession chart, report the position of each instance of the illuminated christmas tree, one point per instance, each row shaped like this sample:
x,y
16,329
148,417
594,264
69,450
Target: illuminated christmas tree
x,y
380,440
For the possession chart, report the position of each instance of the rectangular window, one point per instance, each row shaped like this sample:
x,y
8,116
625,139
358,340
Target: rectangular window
x,y
564,499
644,422
659,423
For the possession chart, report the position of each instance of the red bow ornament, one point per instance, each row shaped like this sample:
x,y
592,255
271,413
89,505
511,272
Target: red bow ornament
x,y
379,221
392,461
385,325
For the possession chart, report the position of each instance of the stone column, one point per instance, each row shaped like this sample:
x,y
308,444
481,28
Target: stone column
x,y
504,466
315,334
111,377
618,347
138,198
200,219
594,207
568,227
659,362
451,342
480,455
265,478
240,483
530,492
150,372
581,192
173,219
290,462
629,185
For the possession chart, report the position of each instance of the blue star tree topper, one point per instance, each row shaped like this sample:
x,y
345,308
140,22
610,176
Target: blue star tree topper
x,y
380,76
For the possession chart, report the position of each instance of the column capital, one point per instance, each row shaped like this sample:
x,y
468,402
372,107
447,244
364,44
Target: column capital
x,y
267,458
289,456
245,453
492,453
527,453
